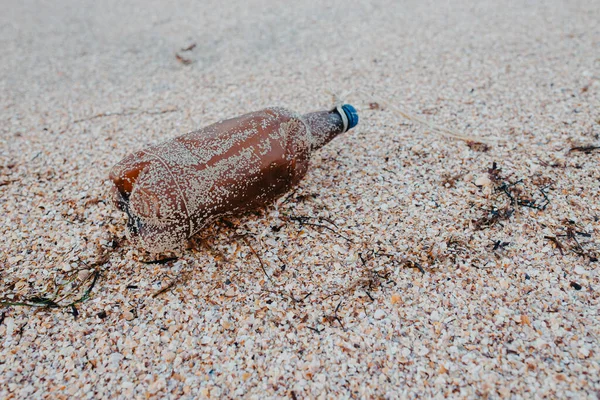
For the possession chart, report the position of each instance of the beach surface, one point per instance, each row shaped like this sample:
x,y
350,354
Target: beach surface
x,y
407,264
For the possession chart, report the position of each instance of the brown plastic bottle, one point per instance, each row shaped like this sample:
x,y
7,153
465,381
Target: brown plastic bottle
x,y
171,190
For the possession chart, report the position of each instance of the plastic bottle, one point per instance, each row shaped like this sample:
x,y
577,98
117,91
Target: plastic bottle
x,y
172,190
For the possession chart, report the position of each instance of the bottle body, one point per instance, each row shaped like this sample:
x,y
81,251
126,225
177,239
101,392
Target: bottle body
x,y
171,190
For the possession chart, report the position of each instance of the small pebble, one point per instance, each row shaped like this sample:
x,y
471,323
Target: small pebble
x,y
483,180
169,356
417,149
83,274
395,298
579,270
226,324
379,314
128,315
206,340
576,286
21,286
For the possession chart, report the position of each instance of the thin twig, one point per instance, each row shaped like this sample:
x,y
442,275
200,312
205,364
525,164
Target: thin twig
x,y
335,313
125,113
303,220
164,289
584,149
556,243
259,259
160,261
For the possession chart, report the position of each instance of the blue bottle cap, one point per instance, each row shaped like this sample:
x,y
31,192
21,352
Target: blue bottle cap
x,y
351,114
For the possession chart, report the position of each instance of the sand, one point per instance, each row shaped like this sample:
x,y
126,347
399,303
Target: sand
x,y
404,265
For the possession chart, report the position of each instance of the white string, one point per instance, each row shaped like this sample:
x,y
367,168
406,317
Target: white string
x,y
433,127
344,117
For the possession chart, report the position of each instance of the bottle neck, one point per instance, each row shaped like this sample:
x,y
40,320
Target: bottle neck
x,y
324,126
